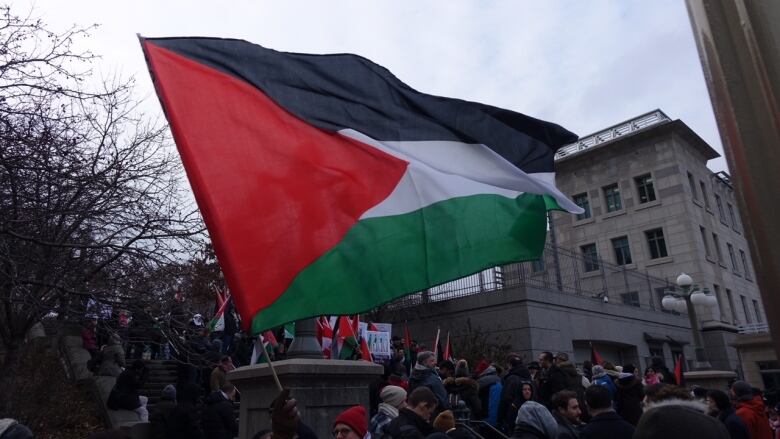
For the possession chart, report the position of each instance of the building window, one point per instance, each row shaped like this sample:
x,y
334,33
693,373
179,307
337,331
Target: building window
x,y
612,195
758,311
622,252
692,183
733,217
748,319
770,373
657,244
733,308
704,194
721,303
703,232
716,243
733,258
744,263
631,298
719,204
655,350
591,257
537,265
644,186
582,201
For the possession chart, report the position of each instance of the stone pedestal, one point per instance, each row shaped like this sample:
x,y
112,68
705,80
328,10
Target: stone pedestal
x,y
709,379
322,388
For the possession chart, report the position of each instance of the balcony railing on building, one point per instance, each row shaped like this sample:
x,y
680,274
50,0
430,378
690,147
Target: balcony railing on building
x,y
753,328
559,270
655,117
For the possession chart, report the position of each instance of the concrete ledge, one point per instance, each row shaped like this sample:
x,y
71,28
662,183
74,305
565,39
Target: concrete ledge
x,y
323,389
709,379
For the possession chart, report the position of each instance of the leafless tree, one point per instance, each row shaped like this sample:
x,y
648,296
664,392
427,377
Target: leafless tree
x,y
91,199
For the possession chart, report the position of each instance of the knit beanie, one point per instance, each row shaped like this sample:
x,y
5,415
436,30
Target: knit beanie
x,y
354,418
741,389
598,371
444,422
168,392
393,395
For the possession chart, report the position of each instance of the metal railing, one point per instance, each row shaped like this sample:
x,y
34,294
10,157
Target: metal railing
x,y
753,328
608,134
561,270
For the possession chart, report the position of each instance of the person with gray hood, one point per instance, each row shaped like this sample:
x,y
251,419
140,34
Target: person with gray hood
x,y
113,357
11,429
534,421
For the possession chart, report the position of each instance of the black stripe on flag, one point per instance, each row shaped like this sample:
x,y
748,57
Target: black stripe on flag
x,y
339,91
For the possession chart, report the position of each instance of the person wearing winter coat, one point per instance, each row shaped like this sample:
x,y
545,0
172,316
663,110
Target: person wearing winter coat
x,y
218,419
562,375
112,358
424,375
566,411
604,422
670,414
393,398
600,378
750,409
124,395
160,417
185,421
89,337
534,421
413,421
629,395
464,389
486,382
511,392
720,407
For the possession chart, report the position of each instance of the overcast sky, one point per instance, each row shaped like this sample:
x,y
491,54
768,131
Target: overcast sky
x,y
583,64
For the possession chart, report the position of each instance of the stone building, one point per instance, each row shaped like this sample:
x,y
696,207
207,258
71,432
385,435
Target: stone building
x,y
653,211
653,205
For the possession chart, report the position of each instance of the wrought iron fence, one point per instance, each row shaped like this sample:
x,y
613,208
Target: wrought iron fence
x,y
561,270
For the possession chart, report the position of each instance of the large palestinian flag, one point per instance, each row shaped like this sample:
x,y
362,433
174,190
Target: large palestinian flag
x,y
330,187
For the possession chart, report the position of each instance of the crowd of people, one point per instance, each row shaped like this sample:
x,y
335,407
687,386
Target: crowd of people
x,y
422,396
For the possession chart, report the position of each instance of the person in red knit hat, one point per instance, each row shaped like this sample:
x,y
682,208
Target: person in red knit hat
x,y
352,423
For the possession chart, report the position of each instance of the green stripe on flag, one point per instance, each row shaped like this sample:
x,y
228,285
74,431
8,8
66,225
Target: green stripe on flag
x,y
383,258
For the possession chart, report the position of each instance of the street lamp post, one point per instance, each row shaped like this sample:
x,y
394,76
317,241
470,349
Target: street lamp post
x,y
687,299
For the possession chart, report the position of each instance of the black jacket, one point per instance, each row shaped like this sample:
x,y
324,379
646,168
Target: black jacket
x,y
160,419
734,424
565,429
408,425
185,422
124,395
512,394
628,399
218,419
607,425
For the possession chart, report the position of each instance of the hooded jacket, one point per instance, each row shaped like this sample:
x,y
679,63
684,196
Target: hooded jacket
x,y
664,419
427,377
512,396
487,379
534,421
628,399
466,390
751,410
